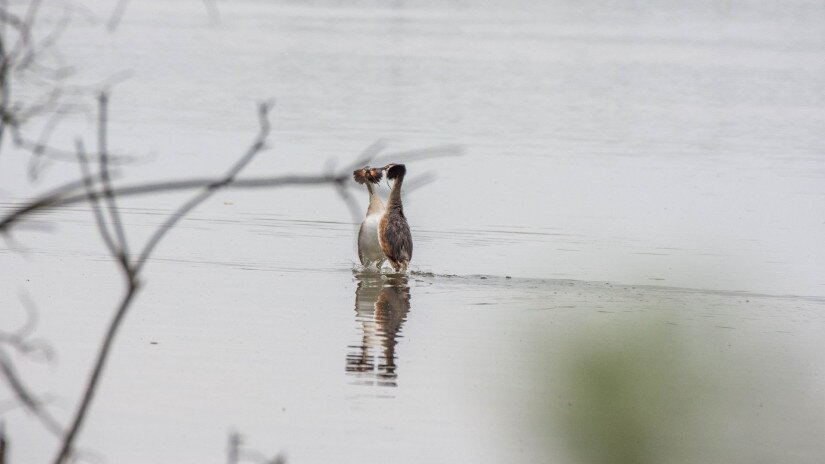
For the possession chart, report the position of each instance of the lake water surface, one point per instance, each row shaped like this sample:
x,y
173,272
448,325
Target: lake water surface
x,y
619,163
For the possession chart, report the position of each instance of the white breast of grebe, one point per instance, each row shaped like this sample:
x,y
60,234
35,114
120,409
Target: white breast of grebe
x,y
369,248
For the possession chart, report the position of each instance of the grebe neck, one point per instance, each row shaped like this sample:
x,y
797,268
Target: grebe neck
x,y
395,194
376,206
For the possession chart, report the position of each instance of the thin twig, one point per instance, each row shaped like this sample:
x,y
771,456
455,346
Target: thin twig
x,y
6,118
24,37
9,18
132,271
47,42
27,399
257,146
117,224
70,196
19,339
92,196
105,348
67,444
48,200
40,149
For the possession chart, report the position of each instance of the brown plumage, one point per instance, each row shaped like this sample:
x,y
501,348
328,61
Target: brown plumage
x,y
393,230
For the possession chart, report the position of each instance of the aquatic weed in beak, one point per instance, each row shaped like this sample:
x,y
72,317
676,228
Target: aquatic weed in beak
x,y
367,174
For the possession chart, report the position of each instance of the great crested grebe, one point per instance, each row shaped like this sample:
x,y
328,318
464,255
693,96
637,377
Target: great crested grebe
x,y
369,248
393,230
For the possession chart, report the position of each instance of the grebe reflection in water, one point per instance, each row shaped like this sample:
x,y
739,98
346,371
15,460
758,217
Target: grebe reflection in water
x,y
381,306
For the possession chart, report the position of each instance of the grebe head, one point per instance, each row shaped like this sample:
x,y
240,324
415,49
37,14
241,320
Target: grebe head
x,y
367,174
395,171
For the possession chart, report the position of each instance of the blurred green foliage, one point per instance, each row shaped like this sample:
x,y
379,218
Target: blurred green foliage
x,y
646,391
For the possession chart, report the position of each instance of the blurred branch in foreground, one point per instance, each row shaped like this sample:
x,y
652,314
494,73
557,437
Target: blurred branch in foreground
x,y
34,82
113,235
20,341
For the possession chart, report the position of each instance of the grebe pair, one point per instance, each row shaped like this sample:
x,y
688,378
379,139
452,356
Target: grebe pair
x,y
384,234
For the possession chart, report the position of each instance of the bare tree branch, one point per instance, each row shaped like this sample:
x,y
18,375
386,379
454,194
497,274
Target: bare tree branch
x,y
48,41
2,443
105,349
68,194
6,118
39,150
28,401
132,285
11,19
22,63
24,38
92,196
18,340
117,224
257,146
131,271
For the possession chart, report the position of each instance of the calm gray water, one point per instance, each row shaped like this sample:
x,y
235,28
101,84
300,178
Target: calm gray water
x,y
621,161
